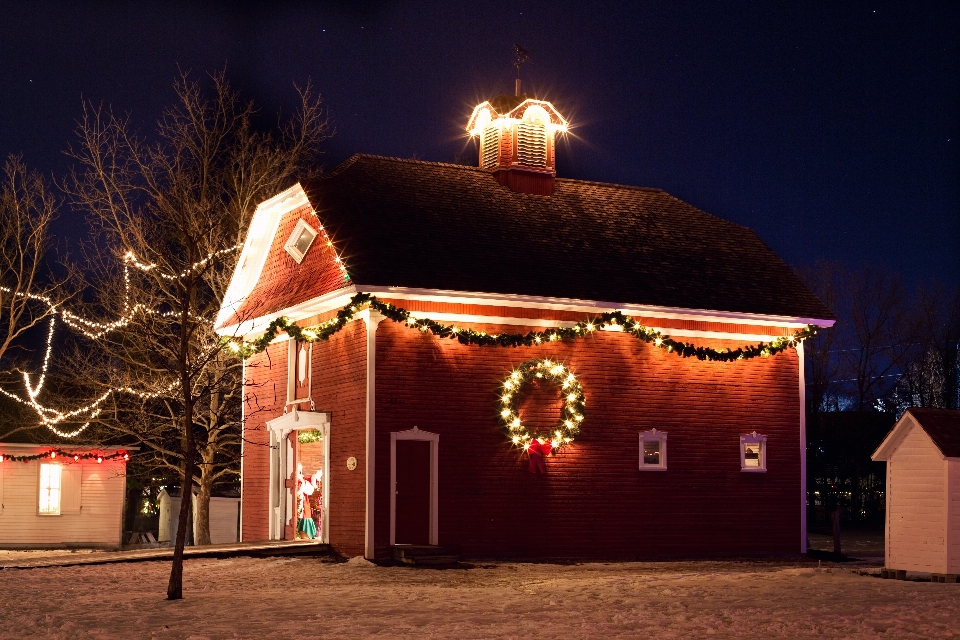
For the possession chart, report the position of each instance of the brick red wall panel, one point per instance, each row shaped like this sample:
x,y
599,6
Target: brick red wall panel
x,y
265,392
339,386
594,501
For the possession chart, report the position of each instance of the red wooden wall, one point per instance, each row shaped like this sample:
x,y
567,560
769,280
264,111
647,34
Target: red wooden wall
x,y
594,501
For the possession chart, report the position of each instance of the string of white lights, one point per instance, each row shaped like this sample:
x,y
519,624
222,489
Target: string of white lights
x,y
51,417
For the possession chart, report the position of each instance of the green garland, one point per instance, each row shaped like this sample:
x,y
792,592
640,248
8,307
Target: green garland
x,y
54,453
305,436
481,338
571,395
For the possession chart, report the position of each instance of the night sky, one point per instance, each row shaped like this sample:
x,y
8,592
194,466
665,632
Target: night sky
x,y
832,131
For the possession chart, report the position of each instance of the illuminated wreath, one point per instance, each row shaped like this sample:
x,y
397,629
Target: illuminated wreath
x,y
571,394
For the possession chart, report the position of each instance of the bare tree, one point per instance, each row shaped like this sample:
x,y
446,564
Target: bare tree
x,y
174,212
28,290
930,367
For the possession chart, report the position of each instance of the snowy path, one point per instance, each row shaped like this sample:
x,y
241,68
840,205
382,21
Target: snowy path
x,y
313,597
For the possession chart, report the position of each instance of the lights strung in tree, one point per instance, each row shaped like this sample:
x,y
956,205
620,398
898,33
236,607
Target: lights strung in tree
x,y
571,396
52,454
605,321
50,417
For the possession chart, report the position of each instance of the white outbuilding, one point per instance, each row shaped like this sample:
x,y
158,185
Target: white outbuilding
x,y
922,453
224,517
61,497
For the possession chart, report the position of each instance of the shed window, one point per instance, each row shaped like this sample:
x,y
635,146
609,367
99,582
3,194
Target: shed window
x,y
49,504
653,450
300,240
753,452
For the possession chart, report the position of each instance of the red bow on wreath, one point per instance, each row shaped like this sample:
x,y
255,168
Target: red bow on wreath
x,y
537,453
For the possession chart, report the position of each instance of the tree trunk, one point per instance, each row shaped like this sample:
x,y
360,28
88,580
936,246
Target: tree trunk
x,y
203,503
836,533
175,586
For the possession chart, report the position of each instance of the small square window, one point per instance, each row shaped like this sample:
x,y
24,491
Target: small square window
x,y
49,504
653,450
753,452
300,240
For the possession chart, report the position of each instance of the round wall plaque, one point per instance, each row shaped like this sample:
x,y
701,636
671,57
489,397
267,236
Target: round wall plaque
x,y
351,463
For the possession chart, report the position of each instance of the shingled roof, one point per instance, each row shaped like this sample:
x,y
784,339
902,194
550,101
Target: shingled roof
x,y
428,225
943,427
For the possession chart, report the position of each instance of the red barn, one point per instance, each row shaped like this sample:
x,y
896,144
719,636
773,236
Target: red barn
x,y
505,363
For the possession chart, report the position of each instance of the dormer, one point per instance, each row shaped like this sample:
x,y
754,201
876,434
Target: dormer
x,y
517,135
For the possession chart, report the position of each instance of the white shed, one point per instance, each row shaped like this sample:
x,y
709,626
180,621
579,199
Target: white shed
x,y
224,518
61,496
922,453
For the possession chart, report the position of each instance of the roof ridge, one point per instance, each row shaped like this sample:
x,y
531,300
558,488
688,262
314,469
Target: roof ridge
x,y
346,164
612,184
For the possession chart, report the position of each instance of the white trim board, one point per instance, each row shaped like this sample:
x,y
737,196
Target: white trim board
x,y
372,320
434,439
337,299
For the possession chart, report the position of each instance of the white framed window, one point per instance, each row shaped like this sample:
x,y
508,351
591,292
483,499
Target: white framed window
x,y
50,489
653,450
300,240
753,452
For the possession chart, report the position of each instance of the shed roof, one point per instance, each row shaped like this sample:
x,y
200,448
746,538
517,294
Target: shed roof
x,y
942,425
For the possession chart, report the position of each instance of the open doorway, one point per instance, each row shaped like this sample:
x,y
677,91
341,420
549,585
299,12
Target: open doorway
x,y
299,481
310,470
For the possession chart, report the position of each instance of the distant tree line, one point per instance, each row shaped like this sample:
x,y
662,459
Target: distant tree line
x,y
893,347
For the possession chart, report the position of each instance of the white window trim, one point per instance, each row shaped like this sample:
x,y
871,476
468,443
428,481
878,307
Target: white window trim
x,y
40,467
650,436
291,244
753,438
434,439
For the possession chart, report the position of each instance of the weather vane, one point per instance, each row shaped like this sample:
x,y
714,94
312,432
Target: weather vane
x,y
522,56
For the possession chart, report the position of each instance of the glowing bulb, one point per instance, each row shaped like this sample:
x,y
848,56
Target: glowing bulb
x,y
571,397
505,413
515,423
99,460
53,454
658,341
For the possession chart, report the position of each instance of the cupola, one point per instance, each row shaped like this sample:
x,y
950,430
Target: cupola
x,y
516,136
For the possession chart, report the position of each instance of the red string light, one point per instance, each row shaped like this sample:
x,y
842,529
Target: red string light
x,y
77,457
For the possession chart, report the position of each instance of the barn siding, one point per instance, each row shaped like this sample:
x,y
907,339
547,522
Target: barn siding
x,y
953,511
339,386
101,506
916,507
594,501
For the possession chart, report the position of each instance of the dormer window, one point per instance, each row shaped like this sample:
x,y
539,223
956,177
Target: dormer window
x,y
300,240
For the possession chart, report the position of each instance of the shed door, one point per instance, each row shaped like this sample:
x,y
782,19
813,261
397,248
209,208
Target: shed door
x,y
413,492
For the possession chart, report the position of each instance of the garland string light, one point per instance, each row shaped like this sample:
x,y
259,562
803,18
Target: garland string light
x,y
55,453
611,321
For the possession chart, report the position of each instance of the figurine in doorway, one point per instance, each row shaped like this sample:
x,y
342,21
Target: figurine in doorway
x,y
305,523
316,500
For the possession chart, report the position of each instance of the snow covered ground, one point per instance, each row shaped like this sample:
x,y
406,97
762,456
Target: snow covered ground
x,y
315,597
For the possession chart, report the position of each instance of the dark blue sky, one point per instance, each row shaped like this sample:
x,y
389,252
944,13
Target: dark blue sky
x,y
830,130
